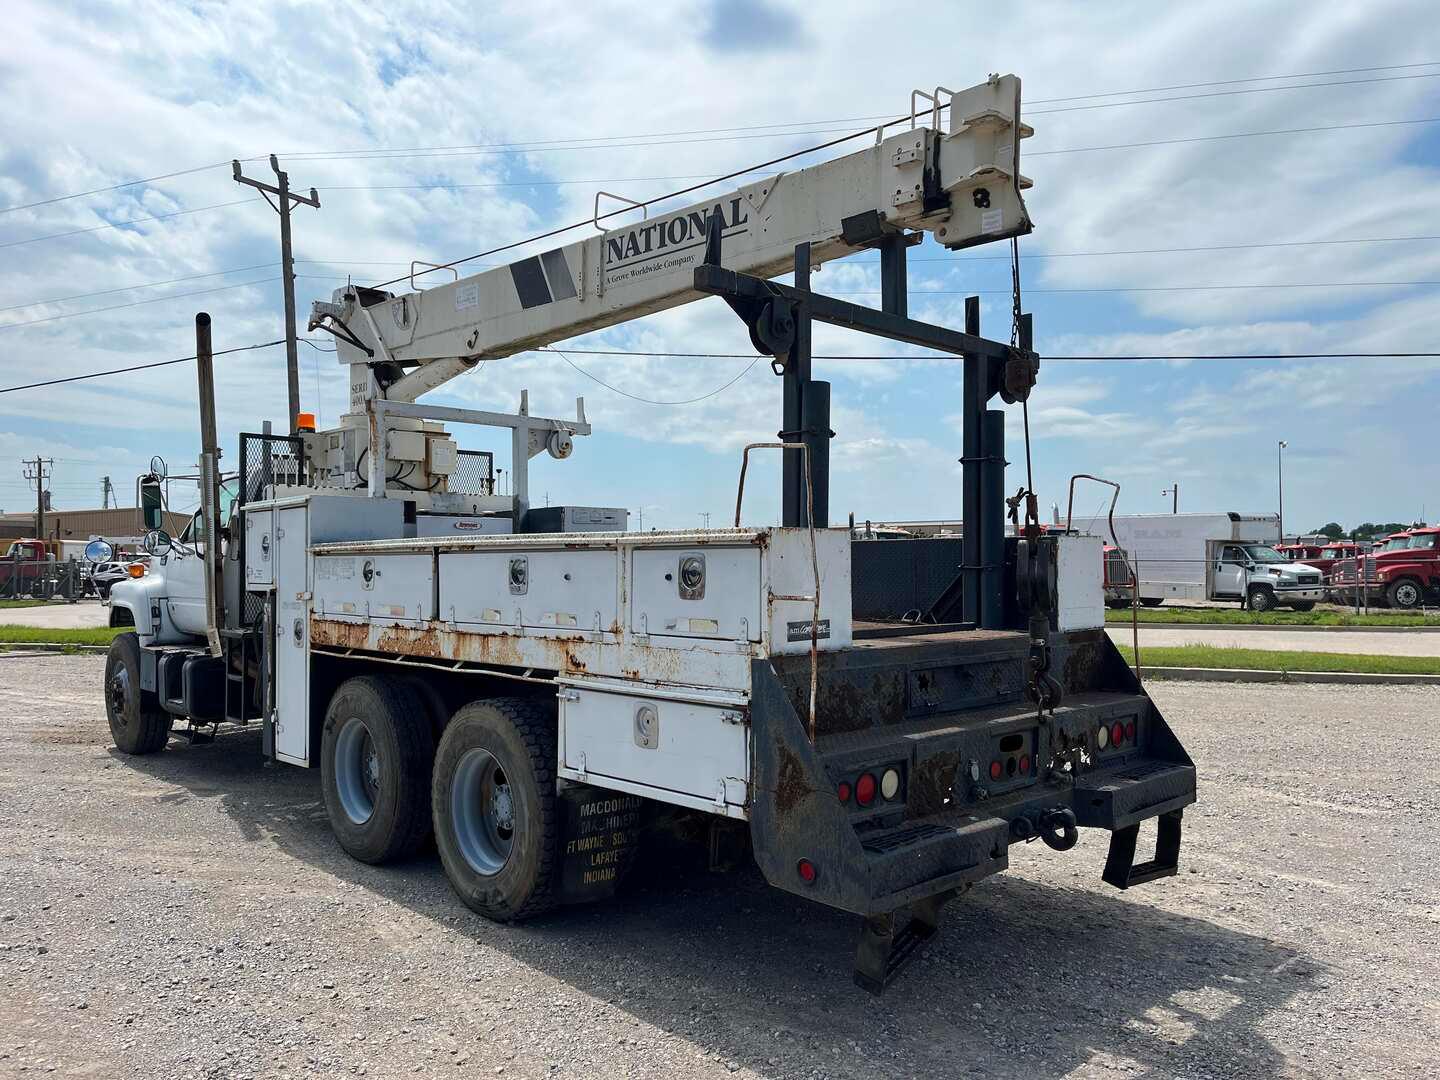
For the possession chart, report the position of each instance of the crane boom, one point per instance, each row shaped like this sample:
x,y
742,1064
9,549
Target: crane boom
x,y
963,185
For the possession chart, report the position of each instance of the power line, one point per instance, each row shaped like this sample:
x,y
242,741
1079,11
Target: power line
x,y
649,401
947,356
741,172
136,367
136,303
122,224
142,285
1235,135
334,154
949,259
753,359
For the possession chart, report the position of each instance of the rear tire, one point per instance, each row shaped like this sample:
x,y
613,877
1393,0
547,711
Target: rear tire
x,y
1404,594
137,723
1304,605
1261,600
1152,601
496,816
375,764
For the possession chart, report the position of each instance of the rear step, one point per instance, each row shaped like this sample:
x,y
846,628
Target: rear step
x,y
1120,868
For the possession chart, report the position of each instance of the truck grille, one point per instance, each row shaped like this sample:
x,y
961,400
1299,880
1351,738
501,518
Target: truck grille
x,y
1309,579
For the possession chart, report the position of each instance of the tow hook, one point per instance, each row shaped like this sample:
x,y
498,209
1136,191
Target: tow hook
x,y
1057,828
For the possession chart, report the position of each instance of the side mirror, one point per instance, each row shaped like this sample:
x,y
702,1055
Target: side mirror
x,y
152,508
98,551
157,542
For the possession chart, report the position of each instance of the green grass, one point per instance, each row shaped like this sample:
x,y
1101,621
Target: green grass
x,y
1236,617
90,635
1234,658
21,603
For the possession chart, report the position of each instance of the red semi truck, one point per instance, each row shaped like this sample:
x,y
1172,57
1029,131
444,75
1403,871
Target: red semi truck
x,y
1404,572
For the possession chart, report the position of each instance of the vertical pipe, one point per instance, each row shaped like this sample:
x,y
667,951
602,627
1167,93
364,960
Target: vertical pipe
x,y
209,479
992,521
972,408
797,379
816,414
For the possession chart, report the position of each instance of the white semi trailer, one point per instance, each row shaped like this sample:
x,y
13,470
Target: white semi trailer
x,y
535,698
1225,556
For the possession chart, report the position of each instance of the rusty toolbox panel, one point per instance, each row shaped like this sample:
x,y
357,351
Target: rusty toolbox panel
x,y
381,588
549,589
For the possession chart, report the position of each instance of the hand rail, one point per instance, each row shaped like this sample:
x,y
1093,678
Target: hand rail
x,y
1134,566
814,556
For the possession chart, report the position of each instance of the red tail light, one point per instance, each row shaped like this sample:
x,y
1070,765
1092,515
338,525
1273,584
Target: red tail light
x,y
865,789
1117,733
1130,730
806,869
1025,764
842,791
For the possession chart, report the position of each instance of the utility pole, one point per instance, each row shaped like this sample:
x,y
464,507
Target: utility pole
x,y
36,470
705,518
107,494
281,190
1280,481
1174,492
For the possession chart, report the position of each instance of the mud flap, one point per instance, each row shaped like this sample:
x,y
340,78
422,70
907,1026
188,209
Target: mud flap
x,y
883,951
1120,868
599,842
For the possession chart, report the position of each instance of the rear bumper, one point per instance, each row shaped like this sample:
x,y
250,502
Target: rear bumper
x,y
952,826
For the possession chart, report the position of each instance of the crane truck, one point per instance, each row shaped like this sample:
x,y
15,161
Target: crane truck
x,y
534,688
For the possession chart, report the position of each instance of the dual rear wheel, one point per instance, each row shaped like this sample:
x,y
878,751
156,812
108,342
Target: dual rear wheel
x,y
486,792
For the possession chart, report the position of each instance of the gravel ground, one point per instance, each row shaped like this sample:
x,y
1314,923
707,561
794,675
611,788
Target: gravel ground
x,y
189,915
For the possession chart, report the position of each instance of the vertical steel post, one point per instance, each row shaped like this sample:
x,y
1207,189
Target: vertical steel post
x,y
894,291
815,411
794,512
287,272
209,479
972,409
992,520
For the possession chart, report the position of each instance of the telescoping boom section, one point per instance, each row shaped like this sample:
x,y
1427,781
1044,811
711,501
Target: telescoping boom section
x,y
962,184
876,723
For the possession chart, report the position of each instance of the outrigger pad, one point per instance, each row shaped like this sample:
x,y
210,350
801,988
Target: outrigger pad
x,y
883,952
1120,868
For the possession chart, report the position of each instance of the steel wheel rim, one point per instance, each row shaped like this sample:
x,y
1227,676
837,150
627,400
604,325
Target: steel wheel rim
x,y
482,812
1407,594
119,695
357,770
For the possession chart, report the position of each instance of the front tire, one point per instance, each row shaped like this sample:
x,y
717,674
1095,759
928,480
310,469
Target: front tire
x,y
1151,601
1261,599
137,723
1304,605
375,764
1404,594
496,816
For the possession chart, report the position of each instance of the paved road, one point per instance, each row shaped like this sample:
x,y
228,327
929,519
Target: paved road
x,y
1389,643
189,915
57,616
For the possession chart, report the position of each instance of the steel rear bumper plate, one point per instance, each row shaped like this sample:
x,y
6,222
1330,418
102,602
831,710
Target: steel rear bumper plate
x,y
1131,793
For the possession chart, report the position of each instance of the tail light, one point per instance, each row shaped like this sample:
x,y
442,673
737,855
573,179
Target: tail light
x,y
1130,729
996,770
865,789
1117,733
842,791
807,871
1024,764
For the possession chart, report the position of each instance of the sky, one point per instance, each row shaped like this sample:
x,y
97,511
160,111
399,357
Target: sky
x,y
1218,178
